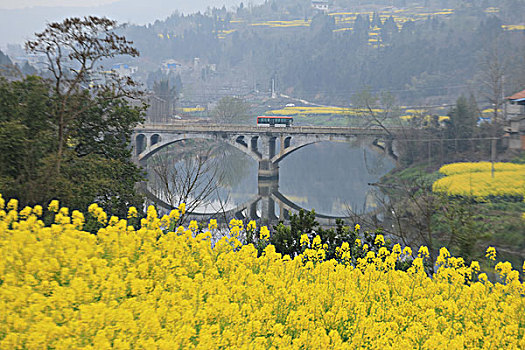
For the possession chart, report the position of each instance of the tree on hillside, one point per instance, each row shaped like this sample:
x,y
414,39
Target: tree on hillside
x,y
72,130
491,76
26,137
230,110
417,216
379,110
463,121
74,49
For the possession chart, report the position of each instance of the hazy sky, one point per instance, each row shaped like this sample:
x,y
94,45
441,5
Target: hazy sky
x,y
20,19
19,4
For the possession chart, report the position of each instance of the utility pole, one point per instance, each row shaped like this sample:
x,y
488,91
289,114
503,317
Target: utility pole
x,y
503,98
493,154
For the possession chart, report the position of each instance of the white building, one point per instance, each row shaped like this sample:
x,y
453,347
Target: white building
x,y
124,70
320,5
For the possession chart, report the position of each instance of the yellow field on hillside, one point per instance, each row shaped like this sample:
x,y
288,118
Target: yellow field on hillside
x,y
475,180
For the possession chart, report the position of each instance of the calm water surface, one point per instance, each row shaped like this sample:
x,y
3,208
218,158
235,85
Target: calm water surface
x,y
329,177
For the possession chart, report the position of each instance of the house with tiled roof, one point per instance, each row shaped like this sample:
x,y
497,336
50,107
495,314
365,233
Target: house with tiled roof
x,y
515,112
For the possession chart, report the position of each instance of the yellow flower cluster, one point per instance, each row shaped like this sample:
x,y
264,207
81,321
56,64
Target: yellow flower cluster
x,y
513,27
304,111
192,109
475,180
284,24
466,167
63,288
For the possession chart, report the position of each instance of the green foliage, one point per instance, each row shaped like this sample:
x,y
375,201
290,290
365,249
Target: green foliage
x,y
287,238
96,165
462,227
67,137
463,119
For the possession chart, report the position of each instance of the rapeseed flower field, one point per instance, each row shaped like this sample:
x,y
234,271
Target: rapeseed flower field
x,y
475,180
147,284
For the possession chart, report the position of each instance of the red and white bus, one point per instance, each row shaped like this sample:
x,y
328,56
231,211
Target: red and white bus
x,y
267,120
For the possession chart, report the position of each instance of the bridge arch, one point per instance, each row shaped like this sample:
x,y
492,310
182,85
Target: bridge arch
x,y
286,142
240,140
292,147
154,139
247,210
140,143
144,151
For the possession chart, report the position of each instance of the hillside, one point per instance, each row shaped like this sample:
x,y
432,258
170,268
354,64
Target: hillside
x,y
423,54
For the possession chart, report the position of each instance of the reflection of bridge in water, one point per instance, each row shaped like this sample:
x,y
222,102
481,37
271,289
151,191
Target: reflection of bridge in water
x,y
269,206
267,145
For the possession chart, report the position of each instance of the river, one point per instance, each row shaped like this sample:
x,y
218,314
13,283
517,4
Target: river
x,y
330,177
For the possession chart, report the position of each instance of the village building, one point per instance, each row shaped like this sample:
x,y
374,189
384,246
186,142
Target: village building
x,y
320,5
124,69
171,66
515,112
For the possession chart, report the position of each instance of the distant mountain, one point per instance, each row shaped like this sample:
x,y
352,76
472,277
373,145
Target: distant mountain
x,y
4,59
18,25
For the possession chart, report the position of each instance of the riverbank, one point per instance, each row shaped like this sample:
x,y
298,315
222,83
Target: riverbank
x,y
462,223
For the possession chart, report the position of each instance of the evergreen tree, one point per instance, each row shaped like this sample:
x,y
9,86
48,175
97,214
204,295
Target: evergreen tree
x,y
463,121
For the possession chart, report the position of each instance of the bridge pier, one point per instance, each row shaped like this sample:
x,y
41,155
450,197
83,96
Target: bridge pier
x,y
252,211
268,170
266,187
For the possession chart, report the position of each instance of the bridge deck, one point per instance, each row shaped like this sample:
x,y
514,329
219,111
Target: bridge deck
x,y
217,128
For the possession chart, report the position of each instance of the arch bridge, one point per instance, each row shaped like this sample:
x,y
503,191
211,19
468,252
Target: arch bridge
x,y
267,145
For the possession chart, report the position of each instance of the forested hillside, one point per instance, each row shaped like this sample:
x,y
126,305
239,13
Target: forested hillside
x,y
417,50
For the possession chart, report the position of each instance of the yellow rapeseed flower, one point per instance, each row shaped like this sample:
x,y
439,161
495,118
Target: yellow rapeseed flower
x,y
12,204
194,226
132,212
305,241
24,213
491,253
37,210
379,240
53,206
423,252
212,225
182,208
126,288
265,233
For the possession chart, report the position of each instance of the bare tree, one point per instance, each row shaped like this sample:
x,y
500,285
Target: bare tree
x,y
407,211
192,180
377,110
492,75
73,50
230,110
416,215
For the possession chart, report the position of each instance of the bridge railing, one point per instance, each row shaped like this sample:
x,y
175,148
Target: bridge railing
x,y
179,127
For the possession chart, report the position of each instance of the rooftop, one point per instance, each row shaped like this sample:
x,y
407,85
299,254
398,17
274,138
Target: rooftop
x,y
517,96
